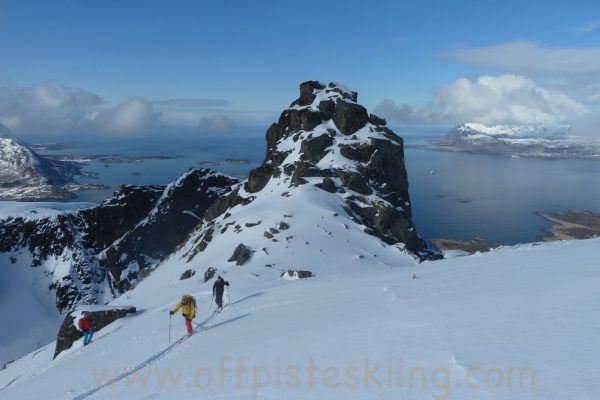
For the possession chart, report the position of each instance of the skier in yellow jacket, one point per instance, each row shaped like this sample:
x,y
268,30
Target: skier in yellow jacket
x,y
188,310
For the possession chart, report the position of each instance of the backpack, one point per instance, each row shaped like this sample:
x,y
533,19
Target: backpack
x,y
84,324
191,300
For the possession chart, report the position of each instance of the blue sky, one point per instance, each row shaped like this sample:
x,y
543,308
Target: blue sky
x,y
406,60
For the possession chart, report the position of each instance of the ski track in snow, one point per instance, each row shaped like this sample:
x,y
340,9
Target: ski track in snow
x,y
201,327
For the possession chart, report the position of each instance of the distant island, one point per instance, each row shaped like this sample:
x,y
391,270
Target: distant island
x,y
227,161
26,175
49,146
534,141
109,158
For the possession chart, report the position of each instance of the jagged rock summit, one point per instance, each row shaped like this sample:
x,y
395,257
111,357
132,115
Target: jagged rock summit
x,y
326,140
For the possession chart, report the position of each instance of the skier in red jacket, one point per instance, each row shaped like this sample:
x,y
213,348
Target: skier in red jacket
x,y
88,328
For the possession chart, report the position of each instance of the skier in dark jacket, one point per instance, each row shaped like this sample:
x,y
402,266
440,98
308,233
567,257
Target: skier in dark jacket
x,y
218,288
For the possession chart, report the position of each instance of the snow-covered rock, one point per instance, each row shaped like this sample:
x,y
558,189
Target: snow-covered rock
x,y
326,140
24,174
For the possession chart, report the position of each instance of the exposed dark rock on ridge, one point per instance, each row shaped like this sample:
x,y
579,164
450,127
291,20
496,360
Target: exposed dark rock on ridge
x,y
324,122
108,246
179,210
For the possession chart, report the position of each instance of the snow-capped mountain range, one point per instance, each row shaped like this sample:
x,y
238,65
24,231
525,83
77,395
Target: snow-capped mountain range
x,y
330,202
542,141
25,175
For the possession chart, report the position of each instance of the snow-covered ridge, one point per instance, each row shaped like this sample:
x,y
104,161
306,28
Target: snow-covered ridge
x,y
25,175
516,131
542,141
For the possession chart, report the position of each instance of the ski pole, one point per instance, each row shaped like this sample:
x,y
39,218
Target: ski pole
x,y
170,328
211,301
228,298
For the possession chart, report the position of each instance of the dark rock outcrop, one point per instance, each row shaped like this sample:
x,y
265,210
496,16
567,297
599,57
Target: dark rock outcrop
x,y
328,185
241,255
313,150
375,120
209,273
297,274
179,210
350,117
187,274
69,331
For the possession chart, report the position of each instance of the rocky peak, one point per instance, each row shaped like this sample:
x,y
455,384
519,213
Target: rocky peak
x,y
327,139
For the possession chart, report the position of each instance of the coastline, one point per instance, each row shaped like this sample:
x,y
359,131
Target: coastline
x,y
572,224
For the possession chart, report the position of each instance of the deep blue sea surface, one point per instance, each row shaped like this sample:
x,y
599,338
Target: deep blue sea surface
x,y
454,195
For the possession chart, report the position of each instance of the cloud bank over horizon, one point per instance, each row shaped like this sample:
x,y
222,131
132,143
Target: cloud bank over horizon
x,y
574,71
490,100
53,108
534,85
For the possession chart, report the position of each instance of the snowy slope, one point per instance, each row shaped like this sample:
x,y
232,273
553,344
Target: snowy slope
x,y
469,323
516,131
332,198
30,318
27,305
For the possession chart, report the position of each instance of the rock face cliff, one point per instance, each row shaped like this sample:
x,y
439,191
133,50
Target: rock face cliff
x,y
95,254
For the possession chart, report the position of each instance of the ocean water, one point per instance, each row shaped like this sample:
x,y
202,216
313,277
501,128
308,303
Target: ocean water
x,y
454,195
463,196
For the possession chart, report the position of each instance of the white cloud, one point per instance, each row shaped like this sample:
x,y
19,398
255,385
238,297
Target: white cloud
x,y
130,117
216,123
45,107
527,57
489,100
505,99
574,71
53,108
